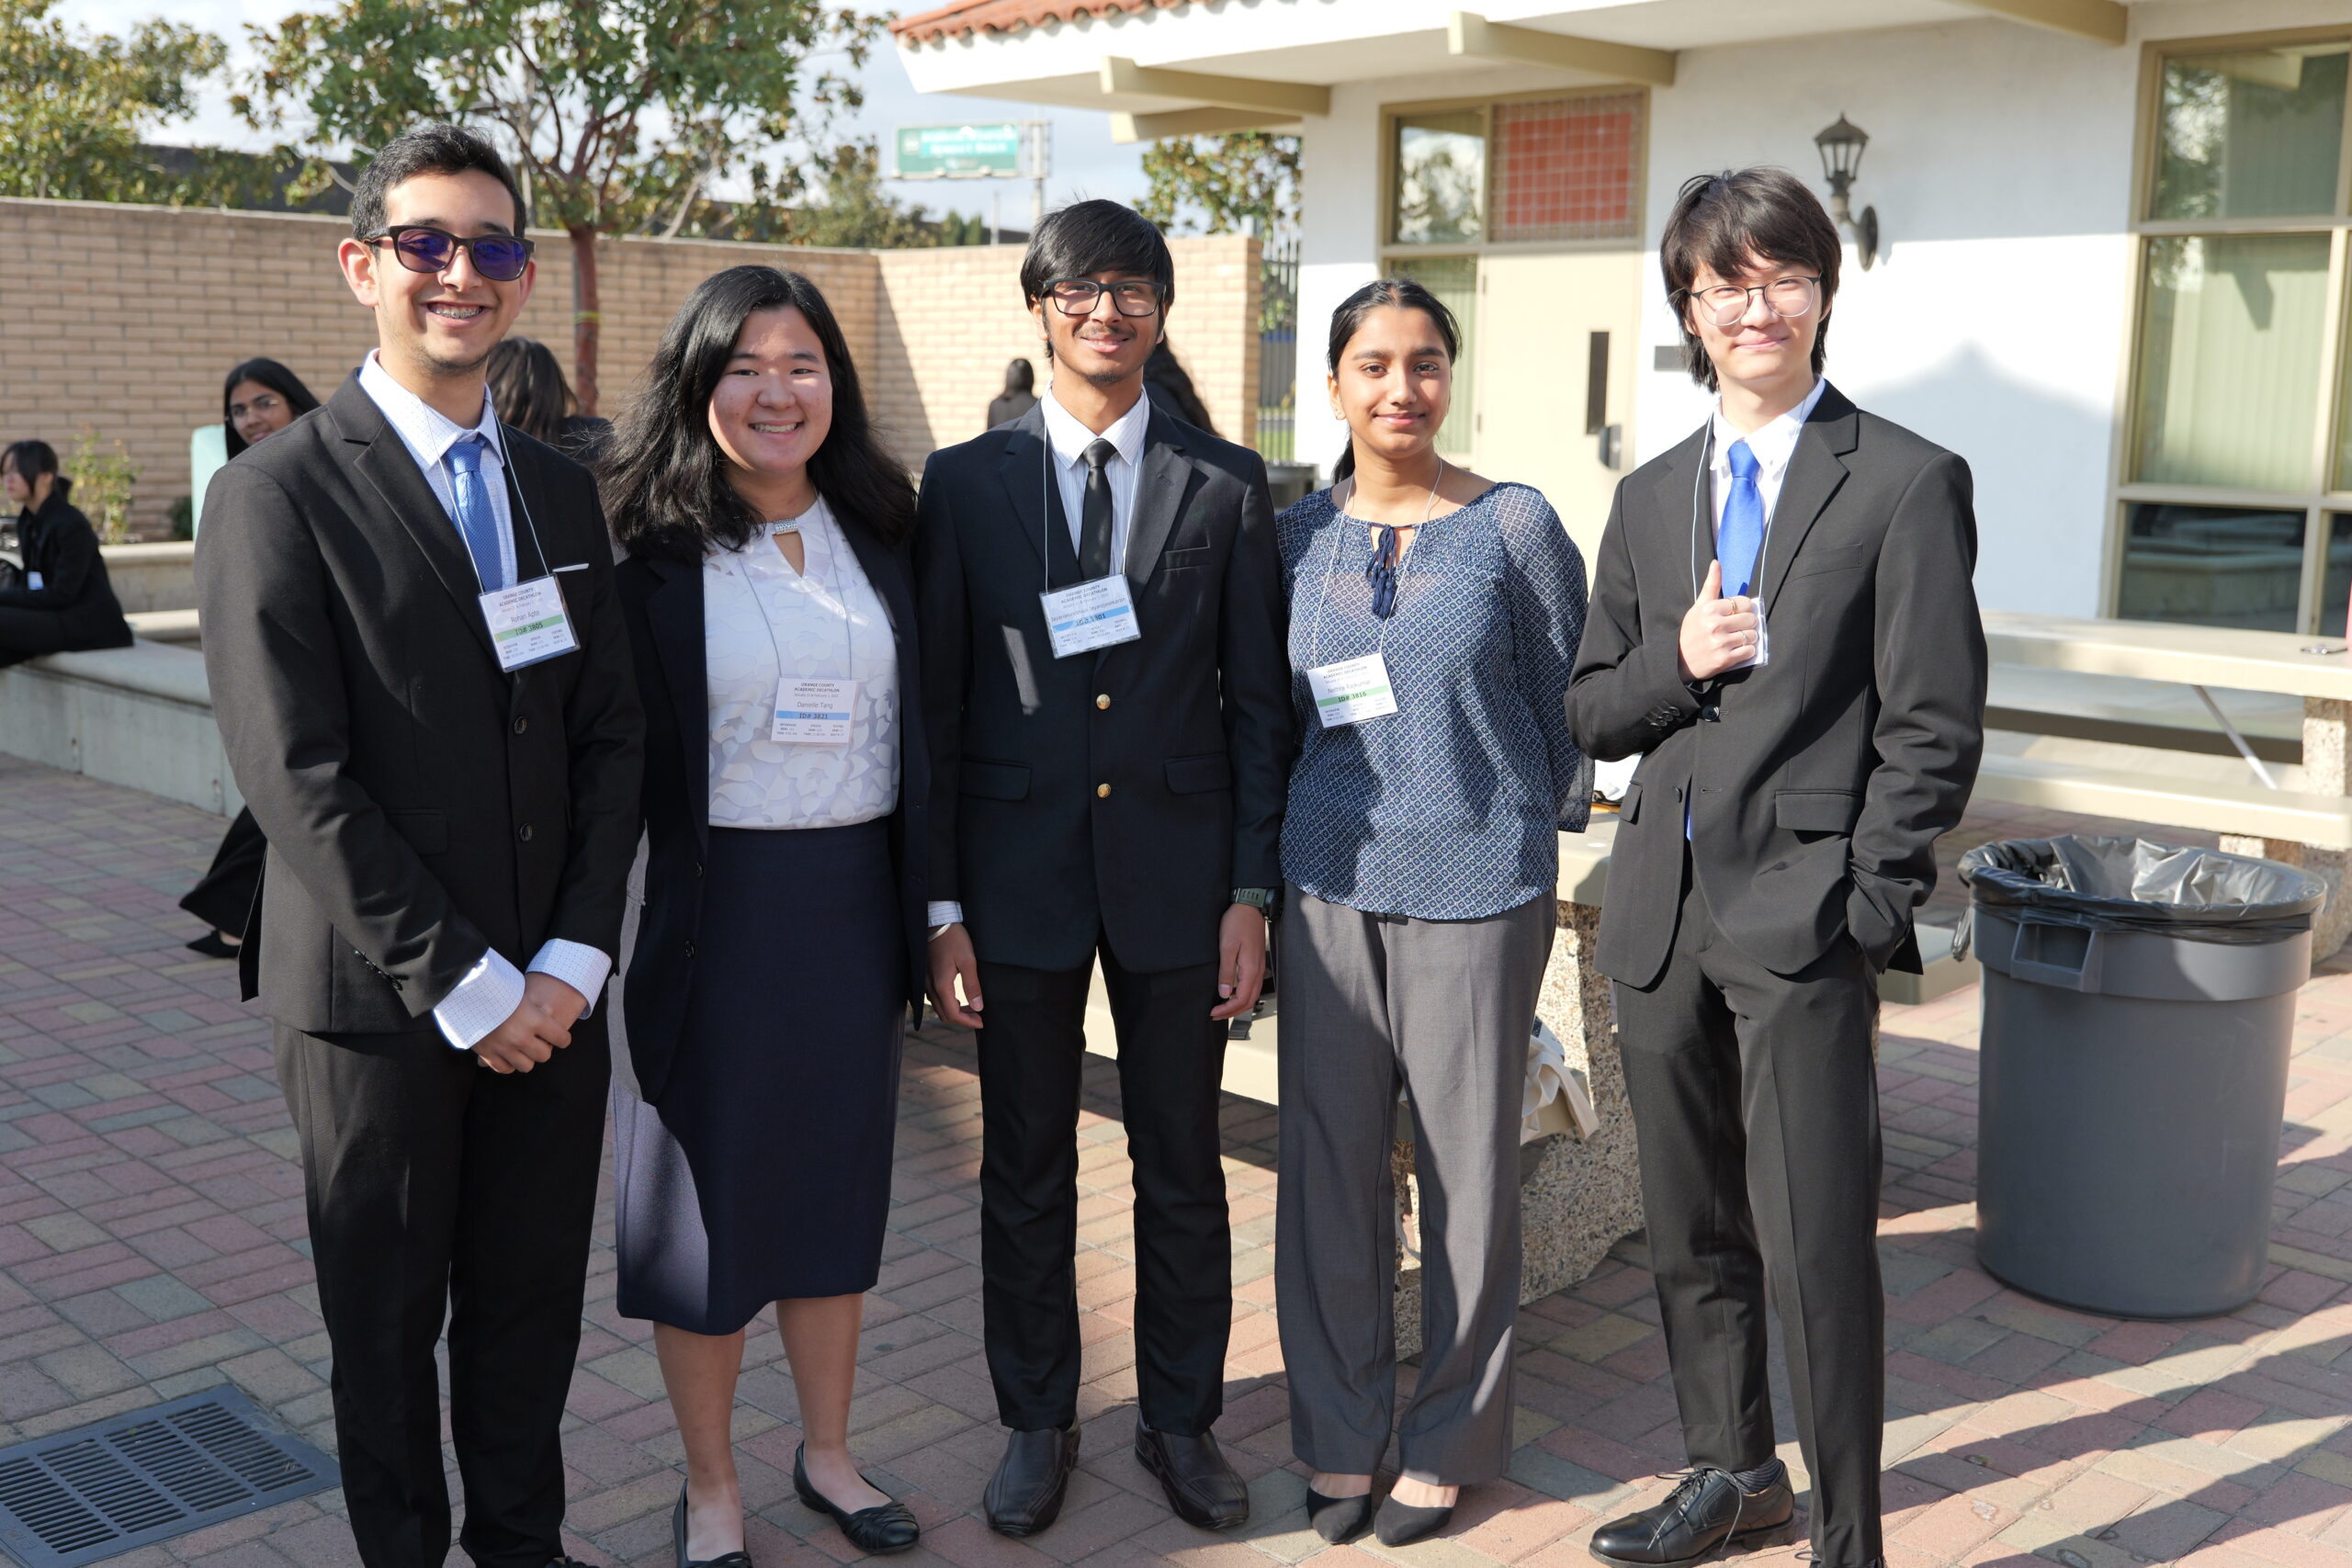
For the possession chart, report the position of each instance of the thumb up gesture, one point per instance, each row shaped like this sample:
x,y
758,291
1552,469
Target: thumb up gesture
x,y
1718,634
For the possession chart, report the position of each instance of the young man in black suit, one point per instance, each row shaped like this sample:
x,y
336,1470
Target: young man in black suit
x,y
425,692
1106,694
1783,621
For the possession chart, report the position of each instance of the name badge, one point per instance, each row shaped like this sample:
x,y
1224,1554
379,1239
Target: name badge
x,y
33,580
1351,691
813,713
527,622
1089,615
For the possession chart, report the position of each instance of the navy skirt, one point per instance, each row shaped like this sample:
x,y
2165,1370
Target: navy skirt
x,y
765,1172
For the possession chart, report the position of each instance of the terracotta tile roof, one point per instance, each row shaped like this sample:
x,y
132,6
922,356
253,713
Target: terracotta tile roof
x,y
962,16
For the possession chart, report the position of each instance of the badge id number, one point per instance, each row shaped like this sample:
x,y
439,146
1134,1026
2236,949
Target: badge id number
x,y
527,622
1089,615
1351,691
813,713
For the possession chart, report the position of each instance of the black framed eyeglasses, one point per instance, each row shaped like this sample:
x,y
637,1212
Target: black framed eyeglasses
x,y
498,257
1726,303
1079,296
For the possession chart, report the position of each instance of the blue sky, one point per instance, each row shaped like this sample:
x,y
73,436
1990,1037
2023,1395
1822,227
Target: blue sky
x,y
1086,163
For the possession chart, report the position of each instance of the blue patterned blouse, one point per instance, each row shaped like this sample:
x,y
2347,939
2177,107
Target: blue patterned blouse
x,y
1448,809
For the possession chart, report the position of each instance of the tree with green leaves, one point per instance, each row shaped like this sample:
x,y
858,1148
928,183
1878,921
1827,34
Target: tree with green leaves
x,y
1225,181
619,114
73,104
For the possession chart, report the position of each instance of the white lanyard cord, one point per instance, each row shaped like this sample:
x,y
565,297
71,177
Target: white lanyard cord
x,y
767,622
1339,537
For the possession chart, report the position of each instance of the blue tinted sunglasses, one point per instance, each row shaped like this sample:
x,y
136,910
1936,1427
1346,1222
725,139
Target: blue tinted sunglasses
x,y
498,257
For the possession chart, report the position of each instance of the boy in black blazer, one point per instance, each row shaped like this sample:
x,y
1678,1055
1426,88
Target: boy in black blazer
x,y
450,831
1113,788
1783,624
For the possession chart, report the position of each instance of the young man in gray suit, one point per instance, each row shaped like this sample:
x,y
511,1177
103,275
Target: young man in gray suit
x,y
1107,698
1783,624
425,692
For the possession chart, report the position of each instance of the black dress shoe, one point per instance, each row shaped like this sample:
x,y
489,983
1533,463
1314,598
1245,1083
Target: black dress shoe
x,y
1401,1524
1337,1520
1703,1515
1201,1487
1024,1495
678,1530
884,1528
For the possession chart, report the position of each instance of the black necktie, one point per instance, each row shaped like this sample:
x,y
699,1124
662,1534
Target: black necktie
x,y
1094,517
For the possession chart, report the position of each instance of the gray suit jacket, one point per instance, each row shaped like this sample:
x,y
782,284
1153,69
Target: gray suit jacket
x,y
1190,727
420,804
1819,783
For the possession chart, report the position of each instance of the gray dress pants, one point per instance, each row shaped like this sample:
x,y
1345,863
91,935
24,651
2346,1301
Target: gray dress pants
x,y
1442,1008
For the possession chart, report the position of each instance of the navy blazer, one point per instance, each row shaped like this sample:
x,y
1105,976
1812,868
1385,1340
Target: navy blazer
x,y
661,602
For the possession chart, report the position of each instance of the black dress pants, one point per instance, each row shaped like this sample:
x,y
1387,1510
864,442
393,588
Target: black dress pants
x,y
1171,1057
27,633
224,899
1756,1101
433,1181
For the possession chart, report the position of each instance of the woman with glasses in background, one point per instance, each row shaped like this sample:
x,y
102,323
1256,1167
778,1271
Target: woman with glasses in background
x,y
259,398
1433,623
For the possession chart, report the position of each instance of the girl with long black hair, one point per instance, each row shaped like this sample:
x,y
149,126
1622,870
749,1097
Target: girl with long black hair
x,y
768,593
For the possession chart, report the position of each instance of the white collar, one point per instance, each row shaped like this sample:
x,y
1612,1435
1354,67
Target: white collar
x,y
429,431
1773,443
1071,439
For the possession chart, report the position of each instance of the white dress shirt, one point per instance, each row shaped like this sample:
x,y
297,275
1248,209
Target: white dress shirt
x,y
1773,444
825,623
1067,439
492,989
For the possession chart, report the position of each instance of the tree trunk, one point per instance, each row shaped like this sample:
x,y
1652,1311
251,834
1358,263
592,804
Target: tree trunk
x,y
585,318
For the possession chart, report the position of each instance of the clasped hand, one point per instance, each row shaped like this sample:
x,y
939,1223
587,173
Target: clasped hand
x,y
1718,634
539,1026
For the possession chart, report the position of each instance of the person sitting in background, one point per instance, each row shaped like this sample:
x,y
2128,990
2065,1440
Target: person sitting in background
x,y
59,600
528,388
1020,394
260,398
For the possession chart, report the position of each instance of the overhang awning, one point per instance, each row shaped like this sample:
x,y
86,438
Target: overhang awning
x,y
1174,67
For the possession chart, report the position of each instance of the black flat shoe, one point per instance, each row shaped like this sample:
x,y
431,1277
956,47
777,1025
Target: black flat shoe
x,y
1337,1520
211,946
885,1529
678,1530
1401,1524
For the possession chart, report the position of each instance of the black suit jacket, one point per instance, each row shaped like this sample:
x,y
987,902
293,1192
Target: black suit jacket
x,y
1819,783
661,601
58,542
421,804
1189,726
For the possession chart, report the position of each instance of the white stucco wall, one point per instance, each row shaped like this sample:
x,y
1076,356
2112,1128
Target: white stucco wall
x,y
2000,164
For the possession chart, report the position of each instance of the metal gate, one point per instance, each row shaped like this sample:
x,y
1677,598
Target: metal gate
x,y
1278,350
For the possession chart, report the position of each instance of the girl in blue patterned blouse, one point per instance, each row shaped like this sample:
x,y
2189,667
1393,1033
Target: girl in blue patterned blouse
x,y
1435,618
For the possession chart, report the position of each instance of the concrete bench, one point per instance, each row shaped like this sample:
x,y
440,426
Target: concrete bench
x,y
139,715
2246,810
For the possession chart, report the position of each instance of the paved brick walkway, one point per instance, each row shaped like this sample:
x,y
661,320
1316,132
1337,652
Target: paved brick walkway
x,y
152,1243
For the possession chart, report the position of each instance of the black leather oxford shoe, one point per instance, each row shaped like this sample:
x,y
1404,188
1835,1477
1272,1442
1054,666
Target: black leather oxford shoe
x,y
1703,1515
1025,1494
1201,1486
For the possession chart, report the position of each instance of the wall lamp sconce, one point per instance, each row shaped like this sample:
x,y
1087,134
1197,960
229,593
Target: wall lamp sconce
x,y
1841,158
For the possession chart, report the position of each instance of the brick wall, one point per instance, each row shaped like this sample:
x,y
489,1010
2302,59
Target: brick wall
x,y
122,320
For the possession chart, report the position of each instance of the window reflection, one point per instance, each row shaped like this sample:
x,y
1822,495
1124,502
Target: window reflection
x,y
2212,565
1441,177
2251,134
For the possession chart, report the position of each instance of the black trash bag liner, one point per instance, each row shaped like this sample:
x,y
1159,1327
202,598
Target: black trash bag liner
x,y
2131,885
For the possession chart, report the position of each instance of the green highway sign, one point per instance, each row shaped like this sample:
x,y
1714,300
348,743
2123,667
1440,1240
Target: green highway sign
x,y
960,152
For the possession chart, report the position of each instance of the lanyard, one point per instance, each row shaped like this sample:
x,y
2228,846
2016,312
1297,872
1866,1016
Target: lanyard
x,y
1339,536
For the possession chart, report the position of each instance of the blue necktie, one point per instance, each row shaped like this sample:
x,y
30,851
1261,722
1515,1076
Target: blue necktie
x,y
477,523
1740,541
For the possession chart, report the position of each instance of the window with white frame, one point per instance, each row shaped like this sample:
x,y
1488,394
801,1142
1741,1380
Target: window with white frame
x,y
2236,494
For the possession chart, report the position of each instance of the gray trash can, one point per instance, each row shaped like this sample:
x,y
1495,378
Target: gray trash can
x,y
2139,1007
